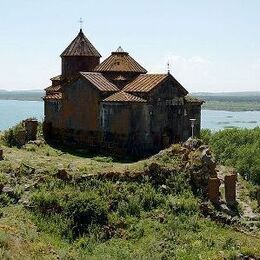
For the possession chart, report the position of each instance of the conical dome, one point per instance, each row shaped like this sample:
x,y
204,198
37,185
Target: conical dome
x,y
81,46
120,61
79,56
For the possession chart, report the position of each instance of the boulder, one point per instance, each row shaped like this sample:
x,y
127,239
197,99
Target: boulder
x,y
208,160
62,174
202,167
192,143
37,142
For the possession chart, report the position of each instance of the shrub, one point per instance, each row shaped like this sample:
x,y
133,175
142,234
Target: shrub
x,y
85,210
80,210
150,199
134,208
122,208
130,207
4,200
205,135
239,148
187,205
3,179
10,135
46,203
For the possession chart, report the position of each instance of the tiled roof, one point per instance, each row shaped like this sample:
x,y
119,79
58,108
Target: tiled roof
x,y
120,61
53,96
56,77
81,46
122,96
53,88
191,99
145,82
99,81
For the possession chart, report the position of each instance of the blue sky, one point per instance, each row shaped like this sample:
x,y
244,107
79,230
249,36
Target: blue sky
x,y
212,45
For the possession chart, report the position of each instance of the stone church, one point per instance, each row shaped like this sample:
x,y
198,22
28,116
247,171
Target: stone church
x,y
116,106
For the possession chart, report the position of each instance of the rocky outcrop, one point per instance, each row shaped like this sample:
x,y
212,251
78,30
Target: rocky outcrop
x,y
202,167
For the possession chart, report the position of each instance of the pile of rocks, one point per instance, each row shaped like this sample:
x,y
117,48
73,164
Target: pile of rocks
x,y
198,160
202,168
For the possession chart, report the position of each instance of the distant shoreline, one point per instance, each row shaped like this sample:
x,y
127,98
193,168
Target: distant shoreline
x,y
14,99
229,101
231,106
206,106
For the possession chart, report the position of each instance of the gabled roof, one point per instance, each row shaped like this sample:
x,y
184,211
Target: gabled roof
x,y
53,88
145,82
122,96
81,46
53,96
120,61
99,81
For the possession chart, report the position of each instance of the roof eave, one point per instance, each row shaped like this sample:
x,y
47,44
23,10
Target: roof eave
x,y
68,55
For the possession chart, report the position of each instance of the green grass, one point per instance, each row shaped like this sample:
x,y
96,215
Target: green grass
x,y
126,215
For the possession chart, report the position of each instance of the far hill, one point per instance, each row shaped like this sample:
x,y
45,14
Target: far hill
x,y
228,94
232,101
27,95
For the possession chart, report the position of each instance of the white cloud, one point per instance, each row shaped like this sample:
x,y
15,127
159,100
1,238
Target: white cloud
x,y
197,73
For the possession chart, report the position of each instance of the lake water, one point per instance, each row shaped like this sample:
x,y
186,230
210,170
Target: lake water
x,y
12,112
217,119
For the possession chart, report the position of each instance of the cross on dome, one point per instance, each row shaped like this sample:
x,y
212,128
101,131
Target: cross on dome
x,y
120,49
81,22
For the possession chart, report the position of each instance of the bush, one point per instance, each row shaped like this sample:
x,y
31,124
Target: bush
x,y
46,203
79,210
85,210
239,148
205,135
10,135
3,179
150,199
187,205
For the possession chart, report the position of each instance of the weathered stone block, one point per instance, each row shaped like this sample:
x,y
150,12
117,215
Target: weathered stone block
x,y
1,154
213,189
31,126
62,174
21,137
230,188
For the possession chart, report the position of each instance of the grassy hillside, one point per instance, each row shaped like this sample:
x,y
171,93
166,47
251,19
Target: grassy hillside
x,y
97,207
